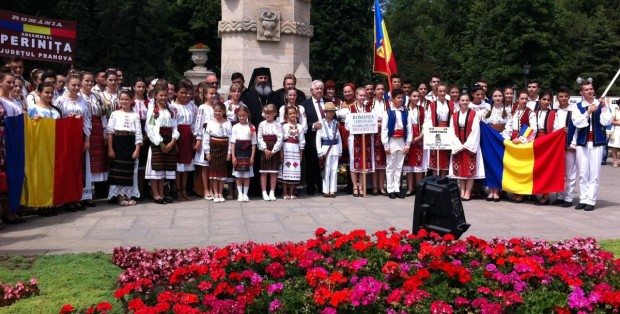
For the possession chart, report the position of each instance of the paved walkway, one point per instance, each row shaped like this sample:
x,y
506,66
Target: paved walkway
x,y
202,223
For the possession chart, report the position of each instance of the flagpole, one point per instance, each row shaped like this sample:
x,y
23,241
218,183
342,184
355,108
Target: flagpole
x,y
611,83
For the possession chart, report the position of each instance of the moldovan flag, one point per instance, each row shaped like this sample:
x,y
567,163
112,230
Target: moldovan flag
x,y
44,161
533,168
384,57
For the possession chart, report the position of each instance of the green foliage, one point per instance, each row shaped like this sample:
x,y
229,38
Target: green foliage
x,y
80,279
612,246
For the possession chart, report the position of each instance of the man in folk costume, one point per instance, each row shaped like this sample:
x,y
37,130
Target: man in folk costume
x,y
258,94
590,117
563,121
396,136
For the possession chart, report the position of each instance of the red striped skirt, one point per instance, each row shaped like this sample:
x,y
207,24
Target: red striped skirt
x,y
444,155
218,165
98,148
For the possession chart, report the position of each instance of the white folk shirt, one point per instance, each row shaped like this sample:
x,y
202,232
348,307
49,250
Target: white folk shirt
x,y
164,120
217,129
329,131
204,114
270,128
515,124
76,107
125,121
398,125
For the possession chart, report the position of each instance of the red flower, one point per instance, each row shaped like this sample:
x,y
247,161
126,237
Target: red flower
x,y
275,270
104,307
339,297
319,232
135,304
67,308
441,307
389,268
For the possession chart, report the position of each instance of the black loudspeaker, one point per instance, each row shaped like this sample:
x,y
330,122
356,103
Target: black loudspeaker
x,y
438,207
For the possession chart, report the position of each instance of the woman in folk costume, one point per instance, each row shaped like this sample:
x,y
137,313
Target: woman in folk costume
x,y
7,109
203,116
291,100
348,92
270,143
545,118
509,94
416,160
110,95
356,161
124,141
72,104
498,117
293,143
329,148
163,134
16,95
466,162
521,116
396,136
216,144
243,150
379,106
184,112
478,104
438,115
141,106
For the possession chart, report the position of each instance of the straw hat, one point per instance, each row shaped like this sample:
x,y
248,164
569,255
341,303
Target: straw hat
x,y
329,106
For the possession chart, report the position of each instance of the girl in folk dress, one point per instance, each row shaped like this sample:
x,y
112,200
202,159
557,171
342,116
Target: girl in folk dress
x,y
438,115
185,114
498,118
124,141
545,119
355,142
234,103
270,142
203,116
243,148
293,143
291,100
163,134
521,116
72,104
509,94
141,106
217,147
98,147
466,161
329,149
378,177
110,95
416,161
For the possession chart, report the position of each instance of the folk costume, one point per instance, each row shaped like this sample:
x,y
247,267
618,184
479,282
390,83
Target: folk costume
x,y
98,146
185,116
438,115
591,139
521,117
231,111
466,160
270,138
293,142
396,135
161,128
545,119
110,102
329,147
563,120
243,136
216,141
141,107
614,138
204,114
416,159
499,119
126,132
302,120
379,107
355,141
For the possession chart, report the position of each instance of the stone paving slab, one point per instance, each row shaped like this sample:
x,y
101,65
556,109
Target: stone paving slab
x,y
202,223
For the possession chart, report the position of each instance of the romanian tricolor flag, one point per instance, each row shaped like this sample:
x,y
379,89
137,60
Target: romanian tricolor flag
x,y
384,57
526,131
533,168
44,161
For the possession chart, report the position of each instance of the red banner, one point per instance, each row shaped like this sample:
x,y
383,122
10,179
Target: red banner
x,y
37,38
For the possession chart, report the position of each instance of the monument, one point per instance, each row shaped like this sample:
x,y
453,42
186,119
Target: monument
x,y
274,34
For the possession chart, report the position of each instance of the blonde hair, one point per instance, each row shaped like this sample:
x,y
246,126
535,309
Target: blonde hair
x,y
269,108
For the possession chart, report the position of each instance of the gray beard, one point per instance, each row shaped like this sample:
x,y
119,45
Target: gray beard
x,y
264,90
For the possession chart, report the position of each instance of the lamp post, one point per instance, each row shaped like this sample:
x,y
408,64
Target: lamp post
x,y
526,71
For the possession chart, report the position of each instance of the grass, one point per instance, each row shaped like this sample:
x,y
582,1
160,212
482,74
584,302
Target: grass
x,y
80,279
86,279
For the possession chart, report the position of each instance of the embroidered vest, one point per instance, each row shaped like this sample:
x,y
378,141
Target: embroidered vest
x,y
469,122
549,119
434,117
571,129
525,118
599,130
418,129
392,121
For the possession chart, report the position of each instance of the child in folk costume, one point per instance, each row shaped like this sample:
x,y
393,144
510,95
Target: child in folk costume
x,y
416,160
243,149
356,159
563,121
329,149
545,118
203,116
379,106
269,142
396,136
124,141
521,116
291,100
293,143
140,106
498,117
98,147
72,104
466,162
163,134
234,103
438,115
185,114
216,143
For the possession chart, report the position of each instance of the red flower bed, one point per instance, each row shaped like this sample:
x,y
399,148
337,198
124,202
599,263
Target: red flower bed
x,y
11,294
386,272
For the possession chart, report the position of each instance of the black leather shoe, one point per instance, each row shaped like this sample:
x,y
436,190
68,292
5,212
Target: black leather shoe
x,y
168,200
589,208
401,195
567,204
557,202
580,206
160,201
392,195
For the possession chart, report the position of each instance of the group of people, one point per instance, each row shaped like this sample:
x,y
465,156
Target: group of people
x,y
157,130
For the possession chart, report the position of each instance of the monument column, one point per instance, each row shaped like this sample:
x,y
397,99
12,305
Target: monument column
x,y
274,34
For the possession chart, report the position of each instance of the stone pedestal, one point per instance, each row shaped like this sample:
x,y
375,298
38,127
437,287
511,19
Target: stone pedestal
x,y
272,33
199,72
